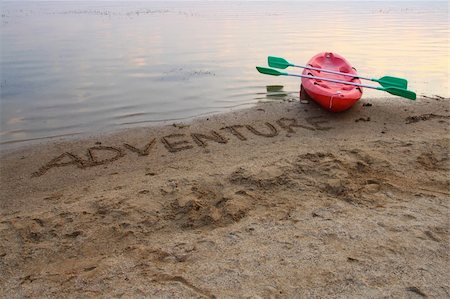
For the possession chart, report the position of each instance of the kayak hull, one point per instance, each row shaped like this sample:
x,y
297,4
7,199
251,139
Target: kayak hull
x,y
335,97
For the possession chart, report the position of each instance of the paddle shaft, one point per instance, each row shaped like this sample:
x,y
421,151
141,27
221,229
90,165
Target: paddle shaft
x,y
334,80
331,72
391,89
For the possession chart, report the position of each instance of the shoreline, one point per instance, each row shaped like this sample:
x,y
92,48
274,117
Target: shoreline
x,y
276,200
15,145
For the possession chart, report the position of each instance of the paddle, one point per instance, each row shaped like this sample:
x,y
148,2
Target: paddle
x,y
390,89
386,81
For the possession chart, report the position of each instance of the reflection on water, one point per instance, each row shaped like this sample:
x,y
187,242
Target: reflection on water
x,y
77,67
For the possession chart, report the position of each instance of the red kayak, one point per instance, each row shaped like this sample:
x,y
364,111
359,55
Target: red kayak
x,y
335,97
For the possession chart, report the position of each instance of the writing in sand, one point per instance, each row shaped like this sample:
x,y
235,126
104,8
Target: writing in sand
x,y
178,142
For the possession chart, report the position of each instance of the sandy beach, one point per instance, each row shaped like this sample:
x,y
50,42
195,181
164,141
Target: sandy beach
x,y
283,200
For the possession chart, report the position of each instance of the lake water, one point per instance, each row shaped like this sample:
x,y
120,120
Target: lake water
x,y
81,67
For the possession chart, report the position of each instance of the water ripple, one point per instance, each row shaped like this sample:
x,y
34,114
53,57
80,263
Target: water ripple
x,y
72,66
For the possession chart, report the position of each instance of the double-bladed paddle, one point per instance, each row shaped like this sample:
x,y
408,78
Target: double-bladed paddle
x,y
390,89
386,81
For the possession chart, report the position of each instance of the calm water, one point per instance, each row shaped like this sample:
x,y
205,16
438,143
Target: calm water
x,y
81,67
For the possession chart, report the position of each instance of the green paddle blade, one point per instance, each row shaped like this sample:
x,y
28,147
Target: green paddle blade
x,y
388,81
267,71
278,62
400,92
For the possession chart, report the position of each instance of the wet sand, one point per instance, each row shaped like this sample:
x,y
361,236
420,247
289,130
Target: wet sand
x,y
283,200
